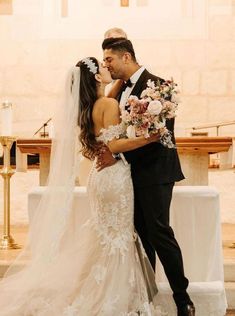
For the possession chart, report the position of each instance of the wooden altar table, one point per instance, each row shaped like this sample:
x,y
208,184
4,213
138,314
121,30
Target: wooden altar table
x,y
193,152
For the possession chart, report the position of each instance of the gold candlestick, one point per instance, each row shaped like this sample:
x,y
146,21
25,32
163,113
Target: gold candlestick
x,y
7,242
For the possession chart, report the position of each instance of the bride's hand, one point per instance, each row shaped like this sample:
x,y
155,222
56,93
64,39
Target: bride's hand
x,y
153,138
104,158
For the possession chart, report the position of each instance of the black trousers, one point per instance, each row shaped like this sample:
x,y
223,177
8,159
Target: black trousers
x,y
151,218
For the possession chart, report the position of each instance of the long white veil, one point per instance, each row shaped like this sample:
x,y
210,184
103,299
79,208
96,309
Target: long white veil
x,y
46,260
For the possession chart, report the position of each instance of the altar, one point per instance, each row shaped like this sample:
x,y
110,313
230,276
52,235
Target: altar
x,y
193,153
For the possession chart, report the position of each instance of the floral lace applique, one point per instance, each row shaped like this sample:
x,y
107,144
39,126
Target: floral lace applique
x,y
113,131
110,306
132,278
70,311
99,273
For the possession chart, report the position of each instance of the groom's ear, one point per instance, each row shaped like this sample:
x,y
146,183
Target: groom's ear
x,y
126,57
98,77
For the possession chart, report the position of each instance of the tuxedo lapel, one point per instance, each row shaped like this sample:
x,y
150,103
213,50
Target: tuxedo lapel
x,y
141,83
139,86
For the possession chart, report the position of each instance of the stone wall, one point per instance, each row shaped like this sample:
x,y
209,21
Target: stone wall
x,y
191,40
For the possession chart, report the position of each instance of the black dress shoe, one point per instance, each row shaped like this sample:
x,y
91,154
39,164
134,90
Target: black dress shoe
x,y
187,310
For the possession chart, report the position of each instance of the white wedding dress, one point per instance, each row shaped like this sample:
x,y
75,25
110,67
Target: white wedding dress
x,y
120,280
96,269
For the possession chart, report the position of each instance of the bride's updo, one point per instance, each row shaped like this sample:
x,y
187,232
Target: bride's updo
x,y
89,67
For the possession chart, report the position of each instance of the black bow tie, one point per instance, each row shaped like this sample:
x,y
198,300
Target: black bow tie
x,y
126,84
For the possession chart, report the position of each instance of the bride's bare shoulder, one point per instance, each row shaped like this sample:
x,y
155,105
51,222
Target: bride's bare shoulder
x,y
106,103
107,100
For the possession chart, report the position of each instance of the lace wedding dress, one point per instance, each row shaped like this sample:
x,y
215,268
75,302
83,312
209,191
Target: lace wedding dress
x,y
120,281
104,271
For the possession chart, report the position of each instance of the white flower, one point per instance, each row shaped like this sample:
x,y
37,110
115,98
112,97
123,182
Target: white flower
x,y
159,124
125,116
143,94
154,107
151,84
166,89
130,131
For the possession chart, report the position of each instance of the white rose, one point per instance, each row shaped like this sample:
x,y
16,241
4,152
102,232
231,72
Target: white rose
x,y
154,107
130,131
159,124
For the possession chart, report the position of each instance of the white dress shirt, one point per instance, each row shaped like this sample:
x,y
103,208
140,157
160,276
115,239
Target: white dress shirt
x,y
127,92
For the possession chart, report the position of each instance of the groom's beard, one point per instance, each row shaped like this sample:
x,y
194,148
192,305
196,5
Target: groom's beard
x,y
115,75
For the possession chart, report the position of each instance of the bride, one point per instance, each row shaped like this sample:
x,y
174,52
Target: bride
x,y
100,267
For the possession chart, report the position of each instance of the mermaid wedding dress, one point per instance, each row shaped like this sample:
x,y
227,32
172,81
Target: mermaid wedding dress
x,y
120,281
96,269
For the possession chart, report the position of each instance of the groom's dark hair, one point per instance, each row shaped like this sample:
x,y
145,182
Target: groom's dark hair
x,y
119,44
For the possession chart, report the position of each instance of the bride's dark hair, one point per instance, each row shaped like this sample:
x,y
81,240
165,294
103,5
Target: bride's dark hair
x,y
87,97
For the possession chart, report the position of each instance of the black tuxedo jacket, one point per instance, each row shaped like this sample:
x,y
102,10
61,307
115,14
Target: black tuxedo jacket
x,y
153,163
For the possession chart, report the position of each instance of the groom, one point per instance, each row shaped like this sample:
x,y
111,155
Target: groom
x,y
155,169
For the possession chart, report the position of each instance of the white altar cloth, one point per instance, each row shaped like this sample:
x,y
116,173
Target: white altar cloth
x,y
195,218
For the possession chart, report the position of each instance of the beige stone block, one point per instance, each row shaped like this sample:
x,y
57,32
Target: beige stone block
x,y
34,108
26,27
30,7
221,54
214,82
221,109
30,81
175,73
25,53
20,81
10,52
191,82
220,28
33,53
189,54
232,82
67,53
220,2
1,82
231,54
156,70
157,52
233,25
192,111
50,81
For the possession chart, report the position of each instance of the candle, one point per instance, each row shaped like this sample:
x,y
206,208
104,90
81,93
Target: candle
x,y
6,119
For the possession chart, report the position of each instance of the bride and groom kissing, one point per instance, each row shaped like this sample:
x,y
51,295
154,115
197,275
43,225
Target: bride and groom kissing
x,y
129,189
154,170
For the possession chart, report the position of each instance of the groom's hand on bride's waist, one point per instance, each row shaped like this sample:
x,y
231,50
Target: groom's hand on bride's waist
x,y
104,158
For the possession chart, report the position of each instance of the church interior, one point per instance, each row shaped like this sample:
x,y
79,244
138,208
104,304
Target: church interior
x,y
192,41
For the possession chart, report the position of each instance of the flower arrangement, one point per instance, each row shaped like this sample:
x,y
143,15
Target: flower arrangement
x,y
148,115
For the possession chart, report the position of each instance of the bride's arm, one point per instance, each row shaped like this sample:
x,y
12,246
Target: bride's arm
x,y
112,117
115,88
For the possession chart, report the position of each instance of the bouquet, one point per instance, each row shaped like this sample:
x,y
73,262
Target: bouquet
x,y
148,115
